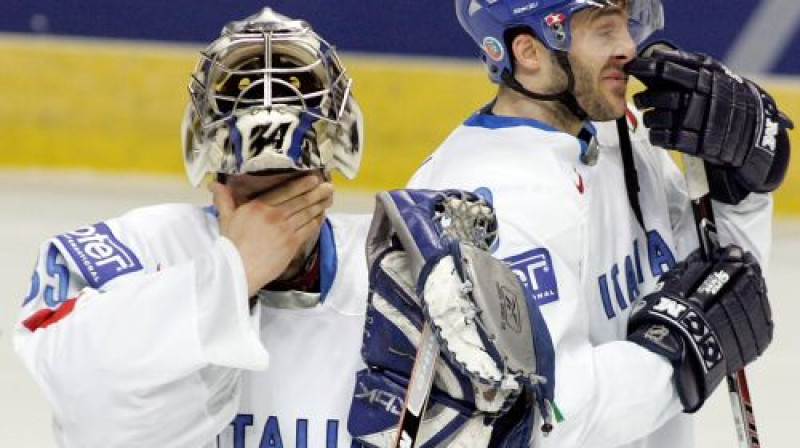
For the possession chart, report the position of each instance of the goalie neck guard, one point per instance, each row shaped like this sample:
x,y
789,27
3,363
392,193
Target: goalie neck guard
x,y
270,94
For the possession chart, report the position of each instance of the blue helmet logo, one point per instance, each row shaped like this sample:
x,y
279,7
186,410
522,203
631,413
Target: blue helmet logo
x,y
493,48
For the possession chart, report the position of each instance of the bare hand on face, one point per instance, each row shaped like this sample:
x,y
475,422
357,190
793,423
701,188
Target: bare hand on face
x,y
269,230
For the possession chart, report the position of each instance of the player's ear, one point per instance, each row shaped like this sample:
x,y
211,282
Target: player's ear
x,y
528,53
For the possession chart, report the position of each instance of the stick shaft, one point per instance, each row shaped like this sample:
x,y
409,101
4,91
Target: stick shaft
x,y
422,373
419,388
738,391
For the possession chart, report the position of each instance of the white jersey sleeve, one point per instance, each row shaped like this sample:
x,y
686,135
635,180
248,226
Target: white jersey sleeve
x,y
747,224
125,332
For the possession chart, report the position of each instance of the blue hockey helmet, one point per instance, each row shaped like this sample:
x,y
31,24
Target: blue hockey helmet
x,y
487,21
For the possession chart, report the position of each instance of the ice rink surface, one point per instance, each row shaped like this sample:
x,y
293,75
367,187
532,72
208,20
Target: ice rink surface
x,y
37,205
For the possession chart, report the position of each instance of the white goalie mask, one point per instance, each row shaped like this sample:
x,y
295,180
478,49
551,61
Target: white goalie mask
x,y
270,94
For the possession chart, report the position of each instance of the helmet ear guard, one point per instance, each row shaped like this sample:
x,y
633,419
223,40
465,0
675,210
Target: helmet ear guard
x,y
270,94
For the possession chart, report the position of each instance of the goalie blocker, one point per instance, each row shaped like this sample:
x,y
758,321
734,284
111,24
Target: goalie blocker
x,y
709,319
496,359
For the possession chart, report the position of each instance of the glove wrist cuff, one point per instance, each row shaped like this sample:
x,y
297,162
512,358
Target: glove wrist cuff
x,y
676,329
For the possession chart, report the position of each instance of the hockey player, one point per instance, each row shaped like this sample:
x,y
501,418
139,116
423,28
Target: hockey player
x,y
237,325
644,329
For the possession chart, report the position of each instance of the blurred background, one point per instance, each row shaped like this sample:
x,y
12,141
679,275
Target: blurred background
x,y
101,84
92,94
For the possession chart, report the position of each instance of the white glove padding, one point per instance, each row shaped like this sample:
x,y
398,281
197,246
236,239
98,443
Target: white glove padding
x,y
457,406
422,244
479,312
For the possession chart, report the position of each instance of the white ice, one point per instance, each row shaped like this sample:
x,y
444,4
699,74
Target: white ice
x,y
37,205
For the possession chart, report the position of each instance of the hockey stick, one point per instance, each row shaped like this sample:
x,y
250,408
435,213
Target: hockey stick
x,y
699,194
695,173
419,389
738,391
421,379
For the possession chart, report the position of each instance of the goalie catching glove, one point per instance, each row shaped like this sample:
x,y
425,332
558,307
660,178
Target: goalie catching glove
x,y
698,106
709,319
496,353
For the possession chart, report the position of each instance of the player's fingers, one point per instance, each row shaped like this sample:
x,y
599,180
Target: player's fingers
x,y
310,228
223,201
687,141
322,193
664,138
659,119
643,69
685,58
680,75
290,190
310,213
659,99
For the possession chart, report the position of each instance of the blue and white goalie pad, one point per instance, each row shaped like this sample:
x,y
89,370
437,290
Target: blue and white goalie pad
x,y
429,262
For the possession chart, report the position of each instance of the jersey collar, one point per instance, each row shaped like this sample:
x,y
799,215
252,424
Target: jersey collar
x,y
327,253
486,119
587,137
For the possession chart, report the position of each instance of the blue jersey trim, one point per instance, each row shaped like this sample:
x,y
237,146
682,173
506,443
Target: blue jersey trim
x,y
585,145
328,259
491,121
487,120
211,210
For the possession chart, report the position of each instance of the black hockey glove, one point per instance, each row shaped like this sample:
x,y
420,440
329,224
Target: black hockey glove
x,y
709,319
698,106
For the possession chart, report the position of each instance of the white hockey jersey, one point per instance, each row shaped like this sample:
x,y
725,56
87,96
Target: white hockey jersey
x,y
569,233
139,332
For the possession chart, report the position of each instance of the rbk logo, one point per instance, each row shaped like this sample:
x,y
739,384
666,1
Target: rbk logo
x,y
390,402
510,310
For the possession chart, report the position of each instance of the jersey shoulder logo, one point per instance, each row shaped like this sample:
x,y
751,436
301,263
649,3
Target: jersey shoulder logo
x,y
535,271
99,255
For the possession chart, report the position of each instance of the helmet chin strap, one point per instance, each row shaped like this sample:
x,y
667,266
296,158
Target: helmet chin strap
x,y
565,97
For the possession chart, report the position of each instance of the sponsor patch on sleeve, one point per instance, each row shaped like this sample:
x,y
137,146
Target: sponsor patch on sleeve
x,y
99,255
535,270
